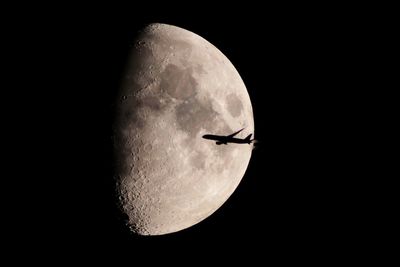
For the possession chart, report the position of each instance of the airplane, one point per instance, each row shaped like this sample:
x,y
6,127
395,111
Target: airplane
x,y
229,138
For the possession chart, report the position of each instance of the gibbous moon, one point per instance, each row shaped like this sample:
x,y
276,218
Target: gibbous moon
x,y
176,88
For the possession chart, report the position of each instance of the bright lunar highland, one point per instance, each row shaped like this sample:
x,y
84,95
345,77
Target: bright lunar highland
x,y
176,88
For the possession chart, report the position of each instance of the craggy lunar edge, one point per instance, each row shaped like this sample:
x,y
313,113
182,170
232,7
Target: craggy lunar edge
x,y
176,88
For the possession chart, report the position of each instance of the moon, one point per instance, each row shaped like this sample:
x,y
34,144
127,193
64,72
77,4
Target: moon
x,y
177,87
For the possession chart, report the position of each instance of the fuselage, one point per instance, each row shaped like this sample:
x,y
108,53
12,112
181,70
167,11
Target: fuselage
x,y
224,139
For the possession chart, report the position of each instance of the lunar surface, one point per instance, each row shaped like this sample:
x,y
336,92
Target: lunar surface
x,y
176,88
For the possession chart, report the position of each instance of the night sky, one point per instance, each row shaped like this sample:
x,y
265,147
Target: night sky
x,y
292,199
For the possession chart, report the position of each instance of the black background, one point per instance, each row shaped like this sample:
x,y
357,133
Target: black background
x,y
294,200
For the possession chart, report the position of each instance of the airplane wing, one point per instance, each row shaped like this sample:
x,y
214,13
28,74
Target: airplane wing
x,y
232,135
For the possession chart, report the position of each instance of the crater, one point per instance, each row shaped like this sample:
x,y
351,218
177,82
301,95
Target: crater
x,y
234,105
178,83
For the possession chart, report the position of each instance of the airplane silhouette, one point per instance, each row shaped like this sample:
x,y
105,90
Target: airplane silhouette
x,y
229,138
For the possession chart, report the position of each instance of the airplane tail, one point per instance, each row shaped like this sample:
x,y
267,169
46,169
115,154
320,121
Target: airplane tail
x,y
247,139
251,141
